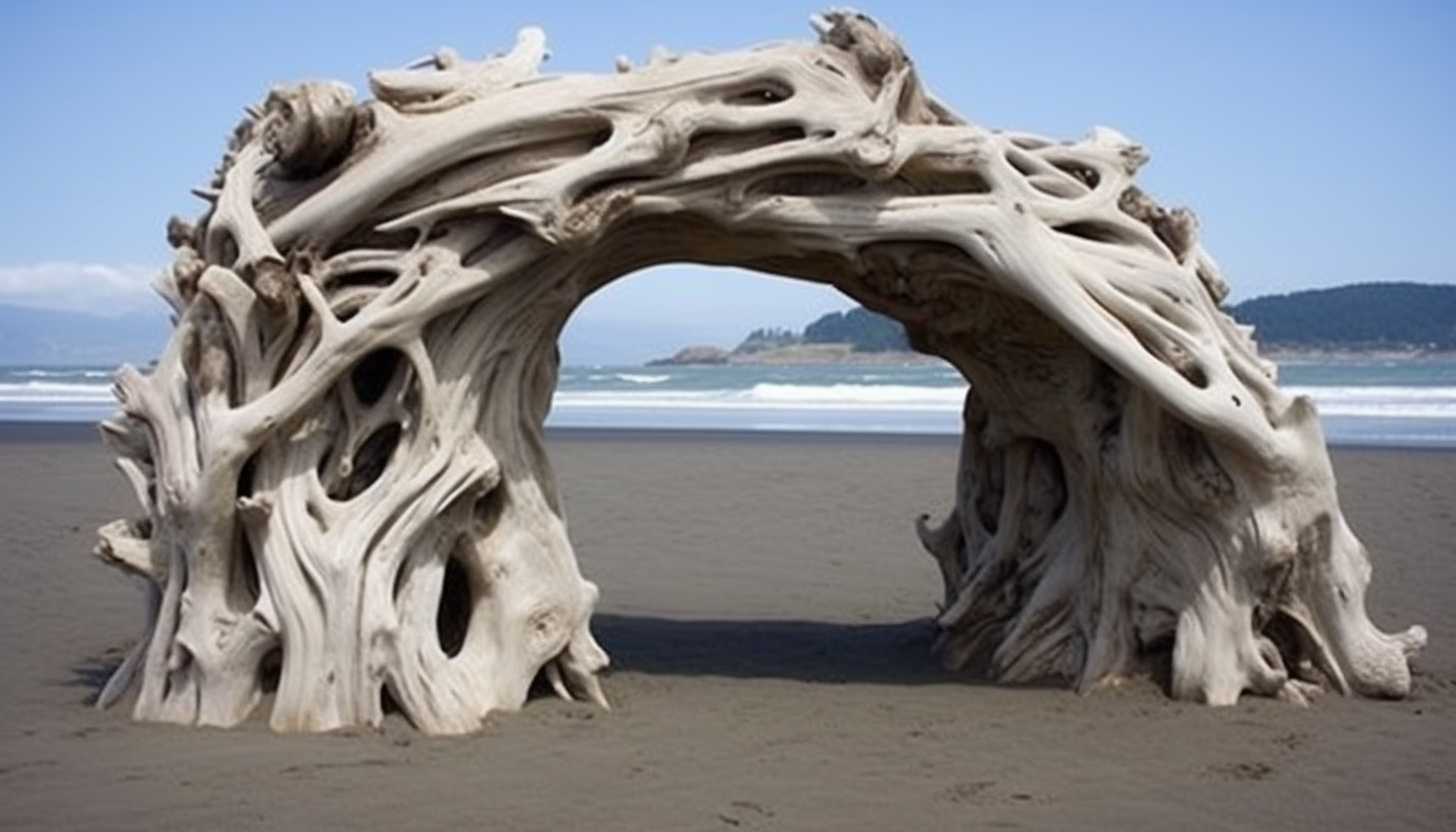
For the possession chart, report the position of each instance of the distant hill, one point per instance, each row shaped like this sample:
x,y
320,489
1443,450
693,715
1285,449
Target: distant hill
x,y
48,337
863,330
858,328
1361,316
856,335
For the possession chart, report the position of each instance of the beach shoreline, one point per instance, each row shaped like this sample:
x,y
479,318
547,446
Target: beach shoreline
x,y
767,608
1365,403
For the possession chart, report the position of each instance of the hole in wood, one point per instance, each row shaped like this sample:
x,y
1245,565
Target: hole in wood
x,y
373,375
370,277
760,94
388,704
1097,232
487,512
504,232
808,184
933,182
707,144
1085,175
270,670
452,618
369,462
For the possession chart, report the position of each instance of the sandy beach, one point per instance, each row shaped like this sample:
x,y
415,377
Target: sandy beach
x,y
766,605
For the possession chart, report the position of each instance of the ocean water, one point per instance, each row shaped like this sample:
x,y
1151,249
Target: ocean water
x,y
1409,403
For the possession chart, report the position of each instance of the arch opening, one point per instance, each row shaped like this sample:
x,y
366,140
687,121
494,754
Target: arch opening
x,y
727,554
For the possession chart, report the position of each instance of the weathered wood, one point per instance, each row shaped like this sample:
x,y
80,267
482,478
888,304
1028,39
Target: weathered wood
x,y
339,460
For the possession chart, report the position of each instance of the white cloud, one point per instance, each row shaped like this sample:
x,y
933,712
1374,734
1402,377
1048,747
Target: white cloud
x,y
94,288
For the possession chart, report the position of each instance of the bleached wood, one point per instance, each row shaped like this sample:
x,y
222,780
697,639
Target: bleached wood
x,y
339,458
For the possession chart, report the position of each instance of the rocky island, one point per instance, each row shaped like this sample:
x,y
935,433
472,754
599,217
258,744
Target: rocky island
x,y
855,336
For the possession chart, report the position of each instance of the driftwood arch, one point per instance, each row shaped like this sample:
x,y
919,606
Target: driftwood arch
x,y
339,455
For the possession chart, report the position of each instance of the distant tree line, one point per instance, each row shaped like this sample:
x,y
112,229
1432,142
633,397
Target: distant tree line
x,y
863,330
866,331
1358,316
768,338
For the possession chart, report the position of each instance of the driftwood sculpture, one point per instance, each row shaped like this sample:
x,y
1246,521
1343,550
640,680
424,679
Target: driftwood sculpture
x,y
339,456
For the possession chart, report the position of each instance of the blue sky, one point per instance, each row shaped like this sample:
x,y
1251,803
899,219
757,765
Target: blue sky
x,y
1316,141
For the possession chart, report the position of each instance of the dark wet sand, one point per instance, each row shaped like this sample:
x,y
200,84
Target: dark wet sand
x,y
765,603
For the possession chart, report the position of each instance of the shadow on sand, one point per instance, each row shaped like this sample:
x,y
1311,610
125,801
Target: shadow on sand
x,y
897,653
806,651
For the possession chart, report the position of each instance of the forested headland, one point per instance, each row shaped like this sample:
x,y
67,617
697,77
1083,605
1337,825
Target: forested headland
x,y
1362,317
